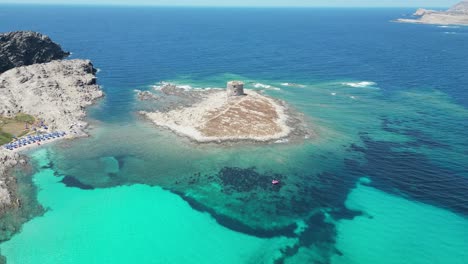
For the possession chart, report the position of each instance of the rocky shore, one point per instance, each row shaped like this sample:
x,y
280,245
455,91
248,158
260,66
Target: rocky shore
x,y
213,116
56,92
456,15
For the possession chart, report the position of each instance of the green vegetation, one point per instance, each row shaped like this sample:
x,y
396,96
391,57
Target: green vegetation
x,y
16,126
25,118
5,137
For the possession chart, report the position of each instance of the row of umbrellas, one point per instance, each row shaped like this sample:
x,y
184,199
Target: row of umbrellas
x,y
30,139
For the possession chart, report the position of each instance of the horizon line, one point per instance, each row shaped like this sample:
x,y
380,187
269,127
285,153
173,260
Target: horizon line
x,y
206,6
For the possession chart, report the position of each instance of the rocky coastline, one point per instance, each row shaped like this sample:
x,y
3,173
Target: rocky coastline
x,y
456,15
56,91
212,116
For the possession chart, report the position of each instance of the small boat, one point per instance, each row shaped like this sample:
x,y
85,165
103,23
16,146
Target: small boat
x,y
275,182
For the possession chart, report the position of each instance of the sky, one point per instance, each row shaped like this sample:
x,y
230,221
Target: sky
x,y
269,3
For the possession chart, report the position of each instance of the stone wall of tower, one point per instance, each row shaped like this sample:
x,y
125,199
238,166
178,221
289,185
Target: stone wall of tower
x,y
235,88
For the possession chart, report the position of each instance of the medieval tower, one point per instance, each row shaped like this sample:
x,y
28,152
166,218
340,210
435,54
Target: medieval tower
x,y
235,88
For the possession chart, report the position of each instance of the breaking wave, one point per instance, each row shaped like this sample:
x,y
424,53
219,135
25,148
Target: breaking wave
x,y
448,26
266,86
292,84
359,84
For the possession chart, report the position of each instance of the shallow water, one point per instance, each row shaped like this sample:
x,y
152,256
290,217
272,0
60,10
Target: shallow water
x,y
396,230
130,186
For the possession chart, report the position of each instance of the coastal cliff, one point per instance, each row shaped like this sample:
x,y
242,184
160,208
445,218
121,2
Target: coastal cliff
x,y
55,91
456,15
22,48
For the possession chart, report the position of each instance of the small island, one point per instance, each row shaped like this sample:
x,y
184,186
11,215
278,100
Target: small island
x,y
236,114
456,15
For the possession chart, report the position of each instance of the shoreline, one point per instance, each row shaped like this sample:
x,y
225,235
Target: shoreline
x,y
457,15
421,22
57,92
195,122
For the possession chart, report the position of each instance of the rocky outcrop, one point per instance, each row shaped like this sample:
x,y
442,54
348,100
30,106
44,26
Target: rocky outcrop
x,y
461,8
7,160
211,116
421,12
456,15
22,48
56,92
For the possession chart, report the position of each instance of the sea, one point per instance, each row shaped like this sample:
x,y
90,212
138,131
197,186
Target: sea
x,y
383,180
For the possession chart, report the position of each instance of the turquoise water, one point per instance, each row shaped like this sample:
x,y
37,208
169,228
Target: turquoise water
x,y
170,229
135,193
395,230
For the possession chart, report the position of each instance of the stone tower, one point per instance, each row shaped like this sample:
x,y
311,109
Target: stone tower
x,y
235,88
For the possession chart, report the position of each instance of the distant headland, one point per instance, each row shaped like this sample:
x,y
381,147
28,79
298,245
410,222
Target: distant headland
x,y
456,15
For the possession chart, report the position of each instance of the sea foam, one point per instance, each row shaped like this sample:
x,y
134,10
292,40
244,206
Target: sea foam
x,y
448,26
266,86
362,84
292,84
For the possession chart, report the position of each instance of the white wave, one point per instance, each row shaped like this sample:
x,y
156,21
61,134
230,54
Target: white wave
x,y
283,140
292,84
266,86
352,97
98,70
450,32
359,84
185,87
333,94
448,26
159,85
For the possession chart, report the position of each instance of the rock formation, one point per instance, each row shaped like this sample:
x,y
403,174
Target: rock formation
x,y
22,48
56,92
34,81
461,7
219,115
456,15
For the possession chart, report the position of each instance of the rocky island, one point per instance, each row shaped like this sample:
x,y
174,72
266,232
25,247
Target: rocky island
x,y
232,115
35,83
456,15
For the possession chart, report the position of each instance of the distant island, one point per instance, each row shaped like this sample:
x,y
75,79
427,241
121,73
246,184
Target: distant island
x,y
231,114
456,15
42,99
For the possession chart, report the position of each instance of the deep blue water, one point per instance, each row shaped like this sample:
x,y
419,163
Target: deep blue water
x,y
137,46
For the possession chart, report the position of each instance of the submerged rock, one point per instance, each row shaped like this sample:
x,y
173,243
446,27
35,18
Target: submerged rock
x,y
22,48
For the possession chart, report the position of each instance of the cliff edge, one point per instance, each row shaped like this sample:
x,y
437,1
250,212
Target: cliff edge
x,y
22,48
